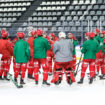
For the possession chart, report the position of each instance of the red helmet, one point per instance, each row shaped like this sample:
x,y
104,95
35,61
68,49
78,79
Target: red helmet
x,y
4,34
21,34
70,34
87,33
97,30
52,34
2,31
103,32
33,33
92,35
73,37
39,32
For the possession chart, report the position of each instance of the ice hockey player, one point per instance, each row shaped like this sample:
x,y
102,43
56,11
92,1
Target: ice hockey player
x,y
22,55
31,62
2,31
100,62
75,43
104,56
98,38
87,35
45,35
41,46
89,49
97,35
6,51
50,54
13,44
63,59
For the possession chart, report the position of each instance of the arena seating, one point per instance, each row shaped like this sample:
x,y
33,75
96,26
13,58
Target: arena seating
x,y
11,10
76,16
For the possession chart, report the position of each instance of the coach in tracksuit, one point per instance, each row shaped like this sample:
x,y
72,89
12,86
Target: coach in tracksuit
x,y
63,59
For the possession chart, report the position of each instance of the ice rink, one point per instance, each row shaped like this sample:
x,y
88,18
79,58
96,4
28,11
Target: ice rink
x,y
63,94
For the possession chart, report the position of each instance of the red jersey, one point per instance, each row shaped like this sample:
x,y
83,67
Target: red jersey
x,y
14,41
30,42
6,48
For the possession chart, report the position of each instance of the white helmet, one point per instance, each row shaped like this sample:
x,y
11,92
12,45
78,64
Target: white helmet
x,y
62,35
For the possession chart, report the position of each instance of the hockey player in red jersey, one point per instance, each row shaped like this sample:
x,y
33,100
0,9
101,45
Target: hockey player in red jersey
x,y
2,31
87,35
6,51
99,56
97,34
104,57
30,63
50,54
100,60
97,38
13,44
89,49
45,35
75,43
22,55
14,41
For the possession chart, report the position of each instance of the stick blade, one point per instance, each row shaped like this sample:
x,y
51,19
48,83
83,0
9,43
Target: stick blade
x,y
21,86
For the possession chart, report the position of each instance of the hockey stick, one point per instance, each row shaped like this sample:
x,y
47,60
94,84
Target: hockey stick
x,y
78,66
77,63
15,83
10,77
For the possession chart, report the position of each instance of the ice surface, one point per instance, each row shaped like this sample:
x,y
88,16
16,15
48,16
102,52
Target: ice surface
x,y
54,95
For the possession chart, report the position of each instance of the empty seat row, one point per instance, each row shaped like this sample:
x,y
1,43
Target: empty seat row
x,y
5,24
15,0
91,12
15,4
37,24
51,8
80,23
83,7
12,9
35,28
75,29
10,14
95,17
42,18
72,23
83,18
96,13
55,3
8,19
46,13
84,2
96,7
74,13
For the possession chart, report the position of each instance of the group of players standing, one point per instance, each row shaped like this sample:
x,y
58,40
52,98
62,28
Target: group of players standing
x,y
42,50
